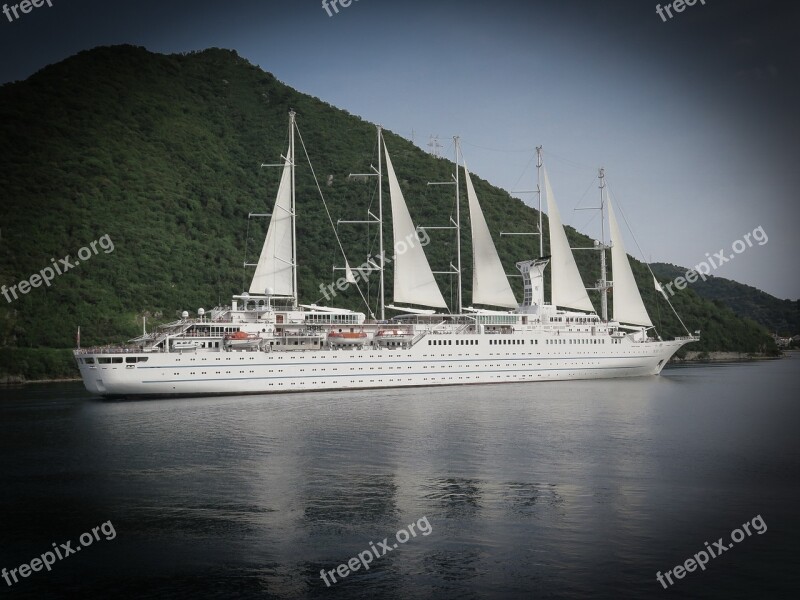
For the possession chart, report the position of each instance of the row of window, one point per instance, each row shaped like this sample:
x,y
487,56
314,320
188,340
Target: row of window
x,y
107,360
582,319
516,342
311,381
331,318
497,319
412,380
213,331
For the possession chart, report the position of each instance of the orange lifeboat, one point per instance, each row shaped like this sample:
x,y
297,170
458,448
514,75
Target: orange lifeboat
x,y
347,338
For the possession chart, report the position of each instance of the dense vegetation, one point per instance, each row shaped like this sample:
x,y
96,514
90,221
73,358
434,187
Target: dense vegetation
x,y
163,154
778,316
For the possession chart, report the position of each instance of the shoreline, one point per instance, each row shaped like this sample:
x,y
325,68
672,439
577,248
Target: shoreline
x,y
11,381
695,357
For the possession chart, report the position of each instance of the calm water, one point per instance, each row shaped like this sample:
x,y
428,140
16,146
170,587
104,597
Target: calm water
x,y
546,490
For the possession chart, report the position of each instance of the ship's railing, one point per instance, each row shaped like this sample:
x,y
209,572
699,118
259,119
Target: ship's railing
x,y
418,337
108,350
174,324
217,311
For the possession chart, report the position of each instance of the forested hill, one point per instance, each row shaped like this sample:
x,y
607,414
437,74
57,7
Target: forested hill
x,y
162,154
778,316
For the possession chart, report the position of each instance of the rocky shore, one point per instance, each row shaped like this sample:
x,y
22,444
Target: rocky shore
x,y
699,357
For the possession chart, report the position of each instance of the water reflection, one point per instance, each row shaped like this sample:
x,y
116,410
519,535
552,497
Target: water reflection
x,y
572,489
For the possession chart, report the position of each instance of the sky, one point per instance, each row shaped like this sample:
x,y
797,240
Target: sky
x,y
694,118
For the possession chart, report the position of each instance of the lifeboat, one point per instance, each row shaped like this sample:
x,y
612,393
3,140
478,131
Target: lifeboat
x,y
185,345
393,337
347,338
241,340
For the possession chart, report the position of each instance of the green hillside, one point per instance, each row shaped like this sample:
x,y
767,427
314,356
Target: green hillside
x,y
778,316
162,154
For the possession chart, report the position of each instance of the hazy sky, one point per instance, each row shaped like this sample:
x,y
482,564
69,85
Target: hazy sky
x,y
695,119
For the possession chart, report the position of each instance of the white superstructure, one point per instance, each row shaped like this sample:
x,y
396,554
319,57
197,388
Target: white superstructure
x,y
265,341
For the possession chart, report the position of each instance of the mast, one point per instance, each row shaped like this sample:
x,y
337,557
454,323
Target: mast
x,y
293,212
603,283
539,194
373,219
380,225
454,224
458,227
276,269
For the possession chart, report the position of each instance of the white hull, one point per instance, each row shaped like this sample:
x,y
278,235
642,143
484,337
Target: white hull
x,y
207,373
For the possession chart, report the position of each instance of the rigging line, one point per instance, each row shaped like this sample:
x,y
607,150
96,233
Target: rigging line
x,y
594,216
591,183
330,218
570,162
447,148
525,170
498,150
641,253
371,239
586,225
658,310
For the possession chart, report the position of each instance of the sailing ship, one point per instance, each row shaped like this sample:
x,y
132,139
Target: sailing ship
x,y
266,341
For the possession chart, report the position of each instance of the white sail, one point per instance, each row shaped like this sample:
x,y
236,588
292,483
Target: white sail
x,y
489,282
274,269
348,273
413,279
628,305
568,290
